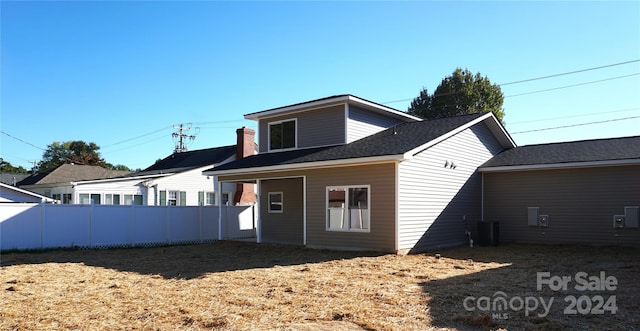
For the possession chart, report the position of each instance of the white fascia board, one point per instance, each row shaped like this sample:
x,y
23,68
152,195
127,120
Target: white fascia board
x,y
108,180
590,164
410,154
506,139
29,193
309,165
297,107
344,99
370,104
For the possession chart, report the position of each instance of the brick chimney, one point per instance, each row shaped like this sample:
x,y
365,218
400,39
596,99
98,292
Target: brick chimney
x,y
245,146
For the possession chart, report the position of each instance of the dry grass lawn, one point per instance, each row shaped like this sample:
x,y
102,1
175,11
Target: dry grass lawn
x,y
242,286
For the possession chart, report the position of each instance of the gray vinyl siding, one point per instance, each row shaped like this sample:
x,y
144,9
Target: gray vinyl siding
x,y
285,227
318,127
362,123
580,203
433,199
381,178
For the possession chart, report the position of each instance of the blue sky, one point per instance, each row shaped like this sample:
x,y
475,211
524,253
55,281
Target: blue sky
x,y
122,73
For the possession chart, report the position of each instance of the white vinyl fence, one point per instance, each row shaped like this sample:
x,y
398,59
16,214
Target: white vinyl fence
x,y
38,226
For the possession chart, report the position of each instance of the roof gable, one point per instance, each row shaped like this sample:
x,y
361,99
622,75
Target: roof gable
x,y
398,142
568,153
336,99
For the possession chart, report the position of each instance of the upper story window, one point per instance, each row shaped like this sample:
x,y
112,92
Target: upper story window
x,y
282,135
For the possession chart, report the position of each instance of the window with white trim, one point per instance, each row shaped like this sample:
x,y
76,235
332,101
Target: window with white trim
x,y
206,198
282,135
133,199
210,198
88,199
111,199
348,208
275,202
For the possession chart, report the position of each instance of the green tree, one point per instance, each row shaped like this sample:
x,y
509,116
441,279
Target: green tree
x,y
459,94
117,167
8,167
76,151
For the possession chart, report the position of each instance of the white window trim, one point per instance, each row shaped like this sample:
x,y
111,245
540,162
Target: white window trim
x,y
346,187
205,203
281,203
295,134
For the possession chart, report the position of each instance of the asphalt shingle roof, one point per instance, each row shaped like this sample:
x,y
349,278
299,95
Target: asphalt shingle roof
x,y
190,160
569,152
11,178
71,173
393,141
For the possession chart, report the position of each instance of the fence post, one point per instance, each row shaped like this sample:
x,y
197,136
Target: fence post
x,y
42,213
91,225
131,225
168,220
200,223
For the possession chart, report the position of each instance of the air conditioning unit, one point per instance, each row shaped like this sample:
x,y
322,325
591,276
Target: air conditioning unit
x,y
618,221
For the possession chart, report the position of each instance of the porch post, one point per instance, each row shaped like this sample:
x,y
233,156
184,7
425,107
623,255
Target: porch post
x,y
219,203
259,219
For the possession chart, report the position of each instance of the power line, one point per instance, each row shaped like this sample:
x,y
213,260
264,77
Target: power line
x,y
20,140
579,124
539,78
569,73
137,137
574,85
573,116
131,146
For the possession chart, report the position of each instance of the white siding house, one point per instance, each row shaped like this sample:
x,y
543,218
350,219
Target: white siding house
x,y
176,180
10,193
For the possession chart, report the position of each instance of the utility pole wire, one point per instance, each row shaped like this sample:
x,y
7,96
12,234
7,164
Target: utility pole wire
x,y
579,124
20,140
572,116
569,73
533,79
574,85
140,136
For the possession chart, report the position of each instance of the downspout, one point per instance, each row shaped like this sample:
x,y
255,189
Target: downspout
x,y
482,199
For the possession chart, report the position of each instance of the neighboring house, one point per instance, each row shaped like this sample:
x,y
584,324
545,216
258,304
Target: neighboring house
x,y
53,183
10,193
346,173
175,180
12,178
585,192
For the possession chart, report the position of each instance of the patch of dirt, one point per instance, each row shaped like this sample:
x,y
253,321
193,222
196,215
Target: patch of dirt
x,y
244,286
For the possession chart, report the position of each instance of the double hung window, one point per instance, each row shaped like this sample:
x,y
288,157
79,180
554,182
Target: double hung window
x,y
275,202
348,208
282,135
